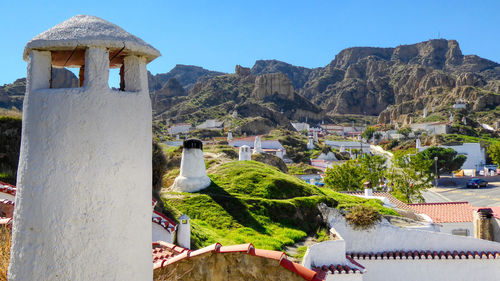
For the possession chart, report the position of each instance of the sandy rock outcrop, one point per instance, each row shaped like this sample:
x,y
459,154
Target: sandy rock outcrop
x,y
274,83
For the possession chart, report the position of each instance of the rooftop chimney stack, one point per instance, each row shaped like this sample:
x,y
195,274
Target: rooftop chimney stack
x,y
310,144
368,188
257,145
193,175
483,227
85,156
244,153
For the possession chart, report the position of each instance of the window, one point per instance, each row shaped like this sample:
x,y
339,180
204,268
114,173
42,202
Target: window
x,y
460,232
67,69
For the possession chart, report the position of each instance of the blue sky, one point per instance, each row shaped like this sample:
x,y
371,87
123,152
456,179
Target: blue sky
x,y
217,35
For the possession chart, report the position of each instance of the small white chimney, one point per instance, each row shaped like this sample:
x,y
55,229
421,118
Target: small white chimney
x,y
368,188
229,136
184,232
310,144
193,175
245,153
418,145
315,136
257,145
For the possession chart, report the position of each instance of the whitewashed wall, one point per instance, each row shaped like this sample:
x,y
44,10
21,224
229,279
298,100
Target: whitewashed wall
x,y
386,237
161,234
431,270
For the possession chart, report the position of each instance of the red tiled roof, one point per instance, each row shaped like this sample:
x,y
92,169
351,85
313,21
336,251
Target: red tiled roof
x,y
424,255
399,204
7,188
6,202
446,212
163,221
325,270
165,254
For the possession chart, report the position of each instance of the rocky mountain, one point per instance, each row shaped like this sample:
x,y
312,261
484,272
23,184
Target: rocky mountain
x,y
186,75
393,84
12,95
396,83
266,100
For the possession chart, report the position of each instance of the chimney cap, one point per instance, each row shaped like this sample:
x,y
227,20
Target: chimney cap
x,y
192,143
485,212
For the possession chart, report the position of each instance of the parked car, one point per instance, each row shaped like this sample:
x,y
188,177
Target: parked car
x,y
477,183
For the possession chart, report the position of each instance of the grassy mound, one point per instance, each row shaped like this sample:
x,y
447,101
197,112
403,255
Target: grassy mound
x,y
251,202
260,180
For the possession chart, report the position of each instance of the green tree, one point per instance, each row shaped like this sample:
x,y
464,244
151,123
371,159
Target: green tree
x,y
405,132
159,168
409,176
345,177
448,160
373,168
368,133
494,153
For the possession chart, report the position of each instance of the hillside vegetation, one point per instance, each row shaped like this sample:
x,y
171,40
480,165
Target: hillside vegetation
x,y
251,202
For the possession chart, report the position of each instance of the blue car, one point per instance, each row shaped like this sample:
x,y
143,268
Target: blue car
x,y
477,183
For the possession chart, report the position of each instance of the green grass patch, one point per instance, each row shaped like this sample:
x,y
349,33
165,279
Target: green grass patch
x,y
251,202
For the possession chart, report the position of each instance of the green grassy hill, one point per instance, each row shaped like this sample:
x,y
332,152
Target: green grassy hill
x,y
251,202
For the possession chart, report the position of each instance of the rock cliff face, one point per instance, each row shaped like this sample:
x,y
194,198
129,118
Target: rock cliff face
x,y
396,82
270,84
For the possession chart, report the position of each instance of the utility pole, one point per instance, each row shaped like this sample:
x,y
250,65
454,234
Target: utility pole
x,y
436,170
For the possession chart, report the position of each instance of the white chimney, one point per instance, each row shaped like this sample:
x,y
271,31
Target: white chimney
x,y
315,136
368,192
310,144
244,153
193,174
229,136
85,156
257,145
184,232
418,145
368,188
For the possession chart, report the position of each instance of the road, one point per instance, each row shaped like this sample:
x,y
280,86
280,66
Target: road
x,y
453,189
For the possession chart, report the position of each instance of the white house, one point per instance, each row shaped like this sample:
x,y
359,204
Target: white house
x,y
452,217
388,252
267,146
432,128
211,124
180,128
349,145
476,156
301,126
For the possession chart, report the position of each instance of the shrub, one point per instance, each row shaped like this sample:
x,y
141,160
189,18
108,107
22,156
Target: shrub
x,y
362,217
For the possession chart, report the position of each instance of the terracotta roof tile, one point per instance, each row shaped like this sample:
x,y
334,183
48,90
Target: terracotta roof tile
x,y
8,188
446,212
163,221
424,255
165,254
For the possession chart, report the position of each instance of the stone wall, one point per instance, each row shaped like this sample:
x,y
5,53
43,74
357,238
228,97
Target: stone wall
x,y
225,266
